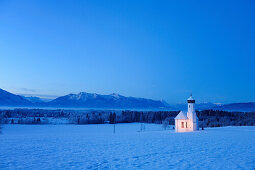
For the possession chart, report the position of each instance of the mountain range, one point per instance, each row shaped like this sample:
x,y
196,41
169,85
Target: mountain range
x,y
82,100
112,101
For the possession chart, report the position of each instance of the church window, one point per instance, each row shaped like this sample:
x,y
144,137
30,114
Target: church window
x,y
182,124
186,124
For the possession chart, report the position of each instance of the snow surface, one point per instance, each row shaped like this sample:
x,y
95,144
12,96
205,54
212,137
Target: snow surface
x,y
96,147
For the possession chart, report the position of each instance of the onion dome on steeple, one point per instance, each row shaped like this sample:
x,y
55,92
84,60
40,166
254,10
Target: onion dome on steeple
x,y
190,99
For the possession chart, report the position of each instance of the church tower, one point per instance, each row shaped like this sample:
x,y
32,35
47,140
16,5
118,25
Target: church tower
x,y
187,122
191,114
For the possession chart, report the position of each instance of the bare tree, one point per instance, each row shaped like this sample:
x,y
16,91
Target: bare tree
x,y
165,123
0,124
142,127
114,121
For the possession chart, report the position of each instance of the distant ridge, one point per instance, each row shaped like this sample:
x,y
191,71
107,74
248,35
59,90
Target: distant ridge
x,y
245,107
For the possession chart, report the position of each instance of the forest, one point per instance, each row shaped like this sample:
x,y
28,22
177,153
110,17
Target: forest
x,y
207,118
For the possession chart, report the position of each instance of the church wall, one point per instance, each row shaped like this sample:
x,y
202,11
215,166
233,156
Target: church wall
x,y
178,126
192,119
191,127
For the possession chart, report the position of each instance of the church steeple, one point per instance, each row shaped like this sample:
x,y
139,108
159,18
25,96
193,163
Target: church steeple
x,y
191,107
190,122
190,99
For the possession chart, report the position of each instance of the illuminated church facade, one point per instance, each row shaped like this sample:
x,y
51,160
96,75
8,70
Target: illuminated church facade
x,y
187,122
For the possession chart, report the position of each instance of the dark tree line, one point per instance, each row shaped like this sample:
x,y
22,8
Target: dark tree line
x,y
112,118
147,116
207,118
217,118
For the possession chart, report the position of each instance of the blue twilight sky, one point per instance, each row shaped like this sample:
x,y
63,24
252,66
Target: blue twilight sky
x,y
142,48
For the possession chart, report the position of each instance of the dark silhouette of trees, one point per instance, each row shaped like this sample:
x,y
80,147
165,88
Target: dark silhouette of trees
x,y
112,118
38,120
207,118
87,116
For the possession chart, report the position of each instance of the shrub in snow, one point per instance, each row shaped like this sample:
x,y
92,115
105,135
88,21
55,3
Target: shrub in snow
x,y
142,127
165,124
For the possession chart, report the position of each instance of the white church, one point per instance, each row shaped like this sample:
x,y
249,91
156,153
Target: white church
x,y
187,122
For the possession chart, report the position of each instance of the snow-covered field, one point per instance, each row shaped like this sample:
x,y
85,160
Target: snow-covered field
x,y
96,147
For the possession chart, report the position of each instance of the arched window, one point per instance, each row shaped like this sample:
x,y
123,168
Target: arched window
x,y
182,124
186,124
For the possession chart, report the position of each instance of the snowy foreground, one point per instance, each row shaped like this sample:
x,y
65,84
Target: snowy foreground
x,y
96,147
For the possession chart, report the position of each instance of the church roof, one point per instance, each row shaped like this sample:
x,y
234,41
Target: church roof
x,y
190,98
181,115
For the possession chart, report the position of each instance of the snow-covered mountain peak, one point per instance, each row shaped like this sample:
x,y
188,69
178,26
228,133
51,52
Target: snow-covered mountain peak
x,y
82,96
116,95
114,100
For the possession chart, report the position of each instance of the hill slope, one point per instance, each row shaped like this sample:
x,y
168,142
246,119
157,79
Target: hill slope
x,y
9,99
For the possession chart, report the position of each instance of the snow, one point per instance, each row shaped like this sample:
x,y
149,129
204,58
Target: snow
x,y
96,147
190,98
181,115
